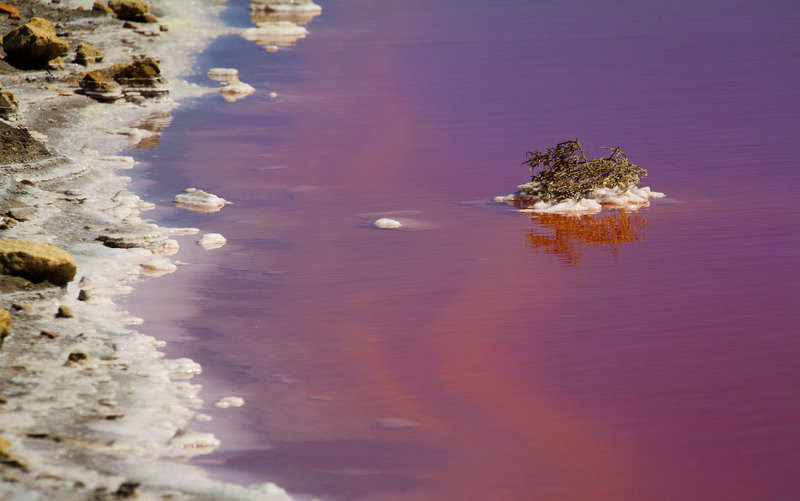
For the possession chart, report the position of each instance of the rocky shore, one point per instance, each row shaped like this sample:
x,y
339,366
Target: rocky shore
x,y
89,408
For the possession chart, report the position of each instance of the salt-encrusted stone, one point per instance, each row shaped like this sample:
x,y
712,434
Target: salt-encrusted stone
x,y
388,224
192,443
223,74
234,89
100,87
157,266
275,32
212,241
199,201
226,402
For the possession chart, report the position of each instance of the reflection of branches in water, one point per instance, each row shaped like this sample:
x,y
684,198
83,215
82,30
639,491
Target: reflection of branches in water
x,y
568,236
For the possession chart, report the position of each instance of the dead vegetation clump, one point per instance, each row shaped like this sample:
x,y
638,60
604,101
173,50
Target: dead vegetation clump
x,y
565,172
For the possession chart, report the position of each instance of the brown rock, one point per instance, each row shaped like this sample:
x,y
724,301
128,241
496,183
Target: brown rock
x,y
7,222
55,64
149,18
34,44
77,357
7,458
64,312
8,103
13,12
87,54
50,334
141,71
130,10
5,325
100,87
22,213
101,7
140,75
36,262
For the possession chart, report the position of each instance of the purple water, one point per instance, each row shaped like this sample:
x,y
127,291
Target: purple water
x,y
486,354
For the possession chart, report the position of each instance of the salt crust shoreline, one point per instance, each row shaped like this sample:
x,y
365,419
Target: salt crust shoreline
x,y
95,427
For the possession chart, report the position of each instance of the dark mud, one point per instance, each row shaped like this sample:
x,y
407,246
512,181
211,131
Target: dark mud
x,y
17,145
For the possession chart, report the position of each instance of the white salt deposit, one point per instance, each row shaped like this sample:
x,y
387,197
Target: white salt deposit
x,y
388,224
234,89
199,201
226,402
192,443
275,33
306,6
212,241
223,74
619,198
157,266
184,231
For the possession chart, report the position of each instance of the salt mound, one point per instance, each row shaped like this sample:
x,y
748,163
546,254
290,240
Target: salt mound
x,y
157,266
199,201
212,241
234,89
275,32
631,199
285,5
226,402
223,74
388,224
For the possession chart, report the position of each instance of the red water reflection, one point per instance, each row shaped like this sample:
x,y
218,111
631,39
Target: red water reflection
x,y
481,353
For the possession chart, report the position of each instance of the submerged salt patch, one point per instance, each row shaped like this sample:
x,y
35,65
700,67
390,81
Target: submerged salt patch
x,y
199,201
212,241
394,424
388,224
226,402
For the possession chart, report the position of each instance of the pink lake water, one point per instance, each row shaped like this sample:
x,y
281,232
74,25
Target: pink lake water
x,y
480,353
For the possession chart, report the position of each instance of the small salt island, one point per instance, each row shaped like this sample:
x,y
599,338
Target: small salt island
x,y
570,183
